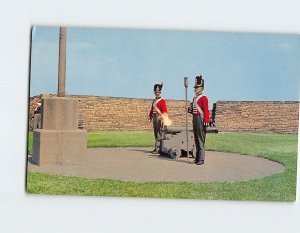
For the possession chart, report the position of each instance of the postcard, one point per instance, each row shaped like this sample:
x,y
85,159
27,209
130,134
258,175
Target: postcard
x,y
163,114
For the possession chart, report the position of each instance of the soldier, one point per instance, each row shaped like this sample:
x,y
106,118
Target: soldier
x,y
199,109
156,113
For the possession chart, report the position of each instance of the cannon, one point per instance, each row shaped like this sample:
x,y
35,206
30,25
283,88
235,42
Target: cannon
x,y
173,141
212,124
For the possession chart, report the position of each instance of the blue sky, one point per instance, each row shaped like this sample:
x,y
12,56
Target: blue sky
x,y
127,62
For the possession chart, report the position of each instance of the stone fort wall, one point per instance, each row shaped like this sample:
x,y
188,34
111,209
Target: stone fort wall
x,y
258,116
113,113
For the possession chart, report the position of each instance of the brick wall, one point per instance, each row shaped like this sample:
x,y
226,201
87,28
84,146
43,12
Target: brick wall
x,y
113,113
33,104
257,116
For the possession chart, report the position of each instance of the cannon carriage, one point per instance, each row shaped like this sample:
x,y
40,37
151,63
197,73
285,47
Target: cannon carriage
x,y
173,140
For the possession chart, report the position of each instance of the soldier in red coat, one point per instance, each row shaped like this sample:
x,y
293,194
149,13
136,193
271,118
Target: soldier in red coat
x,y
158,110
199,109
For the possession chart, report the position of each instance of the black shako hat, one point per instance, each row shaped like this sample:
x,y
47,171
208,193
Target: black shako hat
x,y
199,81
158,87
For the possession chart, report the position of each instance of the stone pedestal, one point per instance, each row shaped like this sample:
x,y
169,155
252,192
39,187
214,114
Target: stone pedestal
x,y
59,141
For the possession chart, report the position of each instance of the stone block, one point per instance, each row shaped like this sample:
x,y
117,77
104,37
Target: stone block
x,y
59,147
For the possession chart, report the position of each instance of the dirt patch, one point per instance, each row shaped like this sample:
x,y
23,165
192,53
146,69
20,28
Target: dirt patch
x,y
138,164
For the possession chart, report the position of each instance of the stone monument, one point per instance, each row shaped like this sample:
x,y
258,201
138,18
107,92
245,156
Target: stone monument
x,y
59,141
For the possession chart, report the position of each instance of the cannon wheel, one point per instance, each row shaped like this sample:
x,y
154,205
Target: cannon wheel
x,y
174,153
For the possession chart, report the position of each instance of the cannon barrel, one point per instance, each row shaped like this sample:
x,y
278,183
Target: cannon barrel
x,y
174,130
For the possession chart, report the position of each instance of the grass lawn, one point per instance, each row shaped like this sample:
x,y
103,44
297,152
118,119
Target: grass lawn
x,y
277,147
121,139
114,139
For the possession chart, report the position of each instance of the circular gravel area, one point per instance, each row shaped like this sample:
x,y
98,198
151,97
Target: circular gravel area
x,y
139,165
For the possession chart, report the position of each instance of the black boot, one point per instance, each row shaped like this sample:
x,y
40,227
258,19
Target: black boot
x,y
200,162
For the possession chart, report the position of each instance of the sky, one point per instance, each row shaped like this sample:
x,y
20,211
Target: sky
x,y
128,62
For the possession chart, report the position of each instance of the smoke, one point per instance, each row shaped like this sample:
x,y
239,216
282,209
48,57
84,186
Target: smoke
x,y
166,120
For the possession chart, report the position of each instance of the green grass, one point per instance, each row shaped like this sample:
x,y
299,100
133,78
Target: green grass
x,y
114,139
121,139
30,136
277,147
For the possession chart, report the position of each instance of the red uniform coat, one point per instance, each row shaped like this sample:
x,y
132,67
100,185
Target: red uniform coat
x,y
161,105
203,104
